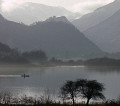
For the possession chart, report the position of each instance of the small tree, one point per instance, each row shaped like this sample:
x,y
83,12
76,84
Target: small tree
x,y
69,91
90,89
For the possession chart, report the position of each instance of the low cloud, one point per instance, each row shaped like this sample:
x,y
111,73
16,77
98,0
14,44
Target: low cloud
x,y
9,5
89,5
81,6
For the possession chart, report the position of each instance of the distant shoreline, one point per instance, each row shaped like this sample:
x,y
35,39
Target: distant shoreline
x,y
53,65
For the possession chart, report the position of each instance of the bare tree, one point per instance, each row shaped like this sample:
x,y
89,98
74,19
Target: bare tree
x,y
90,89
69,91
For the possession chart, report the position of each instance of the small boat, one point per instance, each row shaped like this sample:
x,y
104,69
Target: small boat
x,y
24,76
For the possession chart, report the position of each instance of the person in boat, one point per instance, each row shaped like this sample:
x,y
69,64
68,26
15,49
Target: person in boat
x,y
24,75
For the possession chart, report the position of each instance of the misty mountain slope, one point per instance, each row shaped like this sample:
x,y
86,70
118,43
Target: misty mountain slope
x,y
29,13
65,41
106,34
57,39
10,30
58,19
2,18
96,17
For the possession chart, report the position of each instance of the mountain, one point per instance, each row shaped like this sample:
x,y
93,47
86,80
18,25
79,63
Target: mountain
x,y
2,18
29,13
58,39
96,17
106,34
9,29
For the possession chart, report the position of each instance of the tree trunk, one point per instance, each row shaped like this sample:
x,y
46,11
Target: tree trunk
x,y
87,104
73,100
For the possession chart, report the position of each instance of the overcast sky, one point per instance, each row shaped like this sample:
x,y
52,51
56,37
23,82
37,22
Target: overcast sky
x,y
82,6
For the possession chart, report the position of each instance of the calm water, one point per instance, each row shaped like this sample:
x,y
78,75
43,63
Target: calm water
x,y
49,79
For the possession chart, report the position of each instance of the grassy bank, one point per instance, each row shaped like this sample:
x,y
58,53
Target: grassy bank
x,y
60,105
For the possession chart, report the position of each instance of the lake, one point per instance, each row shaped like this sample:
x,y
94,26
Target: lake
x,y
50,79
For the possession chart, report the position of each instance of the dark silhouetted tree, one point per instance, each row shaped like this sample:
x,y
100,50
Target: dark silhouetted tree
x,y
69,91
9,55
90,89
37,55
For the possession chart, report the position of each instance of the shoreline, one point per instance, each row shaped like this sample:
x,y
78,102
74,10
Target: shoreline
x,y
53,65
